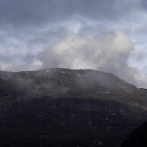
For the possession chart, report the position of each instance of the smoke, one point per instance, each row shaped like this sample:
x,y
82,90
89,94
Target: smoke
x,y
107,52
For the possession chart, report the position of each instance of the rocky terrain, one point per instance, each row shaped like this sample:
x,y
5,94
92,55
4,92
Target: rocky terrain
x,y
64,107
138,137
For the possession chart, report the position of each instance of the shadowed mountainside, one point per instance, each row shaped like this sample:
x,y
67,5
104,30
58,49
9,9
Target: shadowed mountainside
x,y
138,137
63,107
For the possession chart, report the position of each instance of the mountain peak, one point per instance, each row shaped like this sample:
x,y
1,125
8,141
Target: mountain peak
x,y
81,83
76,100
60,80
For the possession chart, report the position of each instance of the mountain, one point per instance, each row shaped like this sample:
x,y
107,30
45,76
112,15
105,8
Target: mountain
x,y
138,137
64,107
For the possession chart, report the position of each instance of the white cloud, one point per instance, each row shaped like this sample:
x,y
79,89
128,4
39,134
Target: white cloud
x,y
138,59
26,28
108,52
14,66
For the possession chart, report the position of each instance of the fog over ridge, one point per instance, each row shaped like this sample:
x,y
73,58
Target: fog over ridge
x,y
107,52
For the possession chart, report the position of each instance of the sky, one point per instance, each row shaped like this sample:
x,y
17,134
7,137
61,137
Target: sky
x,y
105,35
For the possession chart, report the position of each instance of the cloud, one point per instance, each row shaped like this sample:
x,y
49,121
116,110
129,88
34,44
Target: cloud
x,y
138,56
14,60
37,12
144,70
15,66
29,26
108,52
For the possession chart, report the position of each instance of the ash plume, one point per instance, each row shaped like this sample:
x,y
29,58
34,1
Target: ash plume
x,y
107,52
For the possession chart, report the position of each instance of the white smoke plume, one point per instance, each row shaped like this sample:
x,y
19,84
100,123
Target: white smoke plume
x,y
107,52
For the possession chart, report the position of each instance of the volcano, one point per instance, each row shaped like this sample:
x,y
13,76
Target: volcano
x,y
59,107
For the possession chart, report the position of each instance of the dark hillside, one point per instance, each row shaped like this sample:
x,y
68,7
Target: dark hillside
x,y
63,107
138,137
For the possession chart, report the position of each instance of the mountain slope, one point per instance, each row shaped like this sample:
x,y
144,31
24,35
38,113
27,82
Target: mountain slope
x,y
63,107
76,83
138,137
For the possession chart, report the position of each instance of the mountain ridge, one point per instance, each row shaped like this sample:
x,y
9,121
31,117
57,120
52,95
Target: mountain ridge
x,y
82,107
59,82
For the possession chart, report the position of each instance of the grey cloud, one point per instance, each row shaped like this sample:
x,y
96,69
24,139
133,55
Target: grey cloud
x,y
45,38
29,26
21,19
19,49
38,12
108,52
138,59
11,65
144,70
139,55
16,61
143,4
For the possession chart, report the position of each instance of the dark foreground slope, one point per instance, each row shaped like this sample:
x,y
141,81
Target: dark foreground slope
x,y
138,137
62,107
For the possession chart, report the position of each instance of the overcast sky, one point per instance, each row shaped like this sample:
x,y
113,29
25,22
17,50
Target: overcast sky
x,y
107,35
